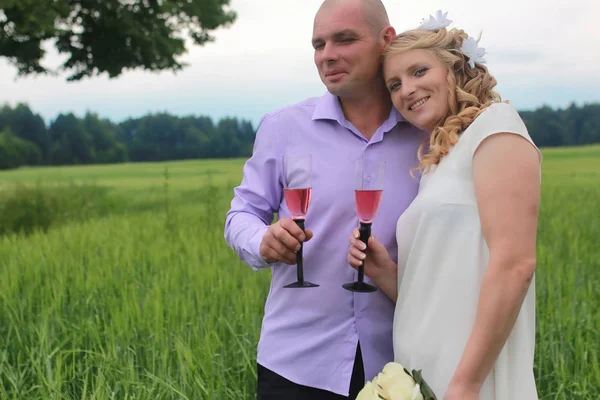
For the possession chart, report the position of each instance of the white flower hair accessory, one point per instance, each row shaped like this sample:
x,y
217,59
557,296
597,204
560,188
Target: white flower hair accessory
x,y
435,23
471,49
470,46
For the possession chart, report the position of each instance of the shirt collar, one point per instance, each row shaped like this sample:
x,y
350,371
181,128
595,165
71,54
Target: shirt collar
x,y
329,107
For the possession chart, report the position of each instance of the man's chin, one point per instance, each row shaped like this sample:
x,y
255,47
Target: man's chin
x,y
338,90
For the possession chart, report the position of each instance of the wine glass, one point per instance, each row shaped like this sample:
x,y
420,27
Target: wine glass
x,y
297,173
368,191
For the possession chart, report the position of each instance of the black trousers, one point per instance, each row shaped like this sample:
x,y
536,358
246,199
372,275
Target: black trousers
x,y
272,386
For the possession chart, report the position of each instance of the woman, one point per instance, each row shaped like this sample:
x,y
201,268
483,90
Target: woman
x,y
464,283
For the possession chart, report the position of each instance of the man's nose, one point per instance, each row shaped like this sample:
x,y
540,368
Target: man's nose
x,y
329,52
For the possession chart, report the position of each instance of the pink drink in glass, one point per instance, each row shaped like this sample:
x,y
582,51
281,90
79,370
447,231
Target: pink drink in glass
x,y
367,203
298,201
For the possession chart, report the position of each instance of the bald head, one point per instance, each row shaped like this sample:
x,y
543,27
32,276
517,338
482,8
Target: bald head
x,y
374,11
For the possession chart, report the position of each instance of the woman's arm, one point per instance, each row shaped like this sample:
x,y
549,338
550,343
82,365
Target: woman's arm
x,y
388,283
506,172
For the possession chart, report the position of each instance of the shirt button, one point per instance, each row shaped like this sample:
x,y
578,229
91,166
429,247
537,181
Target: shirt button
x,y
369,178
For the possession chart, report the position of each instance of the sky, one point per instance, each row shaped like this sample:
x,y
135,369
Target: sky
x,y
541,53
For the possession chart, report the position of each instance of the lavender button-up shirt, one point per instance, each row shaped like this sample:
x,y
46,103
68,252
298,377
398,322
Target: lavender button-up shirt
x,y
309,336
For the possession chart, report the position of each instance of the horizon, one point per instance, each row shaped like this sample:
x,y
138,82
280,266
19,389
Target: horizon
x,y
216,120
534,67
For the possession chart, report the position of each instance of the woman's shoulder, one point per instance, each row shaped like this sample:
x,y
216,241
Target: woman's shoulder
x,y
496,118
499,113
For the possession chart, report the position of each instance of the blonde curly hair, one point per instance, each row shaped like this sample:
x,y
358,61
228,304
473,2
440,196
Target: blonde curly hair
x,y
470,89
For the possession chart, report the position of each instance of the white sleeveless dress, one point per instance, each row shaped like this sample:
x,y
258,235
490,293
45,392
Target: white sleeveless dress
x,y
442,257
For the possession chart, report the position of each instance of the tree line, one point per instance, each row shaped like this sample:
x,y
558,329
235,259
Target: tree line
x,y
25,139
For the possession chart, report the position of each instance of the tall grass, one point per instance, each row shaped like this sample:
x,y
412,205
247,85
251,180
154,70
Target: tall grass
x,y
568,294
146,306
142,299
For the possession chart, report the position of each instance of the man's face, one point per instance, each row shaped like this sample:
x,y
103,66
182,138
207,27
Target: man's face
x,y
347,51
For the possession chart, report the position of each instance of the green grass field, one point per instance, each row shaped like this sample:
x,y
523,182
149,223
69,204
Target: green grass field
x,y
132,293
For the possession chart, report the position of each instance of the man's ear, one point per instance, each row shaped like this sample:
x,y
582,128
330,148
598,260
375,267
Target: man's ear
x,y
388,34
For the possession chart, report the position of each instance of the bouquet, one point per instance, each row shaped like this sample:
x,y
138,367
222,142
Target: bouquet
x,y
396,383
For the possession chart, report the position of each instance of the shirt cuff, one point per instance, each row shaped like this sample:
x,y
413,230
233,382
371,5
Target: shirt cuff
x,y
254,247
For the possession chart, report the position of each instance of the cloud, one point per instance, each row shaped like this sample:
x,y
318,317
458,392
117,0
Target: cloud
x,y
512,57
555,96
264,61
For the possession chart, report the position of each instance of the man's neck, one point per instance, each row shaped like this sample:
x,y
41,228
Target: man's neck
x,y
368,111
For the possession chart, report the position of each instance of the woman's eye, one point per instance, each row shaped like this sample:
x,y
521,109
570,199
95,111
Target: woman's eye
x,y
394,86
420,71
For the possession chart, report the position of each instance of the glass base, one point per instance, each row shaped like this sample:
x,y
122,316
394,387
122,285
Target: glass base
x,y
301,285
360,287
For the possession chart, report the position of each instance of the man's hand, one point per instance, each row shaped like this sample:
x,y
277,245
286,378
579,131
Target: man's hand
x,y
282,241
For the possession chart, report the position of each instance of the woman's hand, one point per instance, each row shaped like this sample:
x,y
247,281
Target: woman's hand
x,y
377,261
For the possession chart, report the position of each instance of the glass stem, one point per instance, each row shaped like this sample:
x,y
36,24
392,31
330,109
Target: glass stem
x,y
365,233
299,266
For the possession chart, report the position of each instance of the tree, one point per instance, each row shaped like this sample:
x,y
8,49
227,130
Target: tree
x,y
107,35
226,143
71,144
155,137
590,130
546,127
15,151
107,148
26,125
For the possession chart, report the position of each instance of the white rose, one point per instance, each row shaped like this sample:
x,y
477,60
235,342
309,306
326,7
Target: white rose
x,y
417,393
368,392
396,382
393,383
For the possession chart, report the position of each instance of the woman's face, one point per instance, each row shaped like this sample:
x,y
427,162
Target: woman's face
x,y
418,83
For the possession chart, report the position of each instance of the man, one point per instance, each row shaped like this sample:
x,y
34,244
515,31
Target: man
x,y
314,341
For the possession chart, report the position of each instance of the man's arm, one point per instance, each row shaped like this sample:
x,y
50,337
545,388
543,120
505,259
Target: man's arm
x,y
257,198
